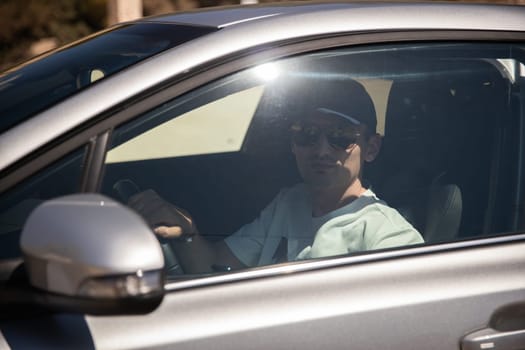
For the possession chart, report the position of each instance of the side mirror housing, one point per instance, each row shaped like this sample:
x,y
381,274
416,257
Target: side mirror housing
x,y
88,250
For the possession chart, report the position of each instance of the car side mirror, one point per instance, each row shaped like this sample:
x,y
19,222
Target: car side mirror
x,y
92,253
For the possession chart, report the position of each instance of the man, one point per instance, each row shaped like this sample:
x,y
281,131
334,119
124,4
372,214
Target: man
x,y
331,213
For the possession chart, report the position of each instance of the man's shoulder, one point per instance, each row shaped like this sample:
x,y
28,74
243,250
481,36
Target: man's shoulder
x,y
379,209
386,220
376,213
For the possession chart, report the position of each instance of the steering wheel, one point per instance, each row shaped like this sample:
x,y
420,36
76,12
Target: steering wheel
x,y
123,190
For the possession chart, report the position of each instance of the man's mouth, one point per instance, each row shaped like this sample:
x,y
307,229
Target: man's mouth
x,y
322,166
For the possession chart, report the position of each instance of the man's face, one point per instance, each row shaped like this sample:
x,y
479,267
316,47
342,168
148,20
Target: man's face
x,y
330,151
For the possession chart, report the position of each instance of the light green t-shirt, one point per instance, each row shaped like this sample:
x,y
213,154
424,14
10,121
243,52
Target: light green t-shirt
x,y
364,224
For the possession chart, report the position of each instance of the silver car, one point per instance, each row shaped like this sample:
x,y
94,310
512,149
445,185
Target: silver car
x,y
198,110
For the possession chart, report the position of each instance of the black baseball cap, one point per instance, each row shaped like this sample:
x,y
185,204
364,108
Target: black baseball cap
x,y
344,98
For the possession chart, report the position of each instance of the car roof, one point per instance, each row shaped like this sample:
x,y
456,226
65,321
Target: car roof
x,y
430,14
221,17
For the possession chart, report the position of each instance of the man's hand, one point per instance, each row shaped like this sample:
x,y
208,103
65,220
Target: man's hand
x,y
164,218
168,231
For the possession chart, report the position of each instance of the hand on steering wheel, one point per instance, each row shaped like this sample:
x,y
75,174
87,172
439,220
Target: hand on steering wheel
x,y
166,219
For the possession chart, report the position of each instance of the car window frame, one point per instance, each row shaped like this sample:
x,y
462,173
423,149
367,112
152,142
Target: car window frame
x,y
96,133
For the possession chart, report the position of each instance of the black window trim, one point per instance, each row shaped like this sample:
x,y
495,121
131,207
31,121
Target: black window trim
x,y
94,162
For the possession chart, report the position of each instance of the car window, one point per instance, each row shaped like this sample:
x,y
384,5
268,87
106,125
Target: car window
x,y
177,137
60,178
283,162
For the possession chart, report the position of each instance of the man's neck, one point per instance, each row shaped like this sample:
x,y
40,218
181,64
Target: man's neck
x,y
328,199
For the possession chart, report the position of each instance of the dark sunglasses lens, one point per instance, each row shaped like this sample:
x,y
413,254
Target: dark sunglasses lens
x,y
308,135
305,135
302,138
341,141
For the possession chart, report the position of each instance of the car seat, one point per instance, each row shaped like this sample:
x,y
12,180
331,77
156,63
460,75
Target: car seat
x,y
414,164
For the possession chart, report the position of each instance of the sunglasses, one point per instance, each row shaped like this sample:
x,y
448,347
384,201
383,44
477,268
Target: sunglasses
x,y
305,135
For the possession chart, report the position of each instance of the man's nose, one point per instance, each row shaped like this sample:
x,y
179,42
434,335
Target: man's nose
x,y
322,146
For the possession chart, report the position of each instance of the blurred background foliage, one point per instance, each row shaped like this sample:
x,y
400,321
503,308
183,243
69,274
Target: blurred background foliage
x,y
30,27
25,22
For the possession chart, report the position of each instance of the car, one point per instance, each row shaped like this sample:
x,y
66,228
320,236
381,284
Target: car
x,y
196,108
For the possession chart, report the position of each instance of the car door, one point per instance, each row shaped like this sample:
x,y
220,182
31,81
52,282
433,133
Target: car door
x,y
450,113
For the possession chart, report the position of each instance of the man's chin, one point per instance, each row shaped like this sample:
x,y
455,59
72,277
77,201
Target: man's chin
x,y
321,181
327,180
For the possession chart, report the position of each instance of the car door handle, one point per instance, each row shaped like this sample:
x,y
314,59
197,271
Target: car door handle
x,y
492,339
505,331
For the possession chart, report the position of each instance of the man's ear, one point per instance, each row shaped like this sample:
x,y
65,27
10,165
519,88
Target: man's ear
x,y
373,147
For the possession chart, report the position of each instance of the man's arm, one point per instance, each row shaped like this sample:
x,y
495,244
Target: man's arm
x,y
240,250
194,253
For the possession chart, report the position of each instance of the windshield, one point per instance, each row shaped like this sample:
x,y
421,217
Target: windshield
x,y
36,85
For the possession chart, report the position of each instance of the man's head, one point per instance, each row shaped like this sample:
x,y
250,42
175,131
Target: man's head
x,y
334,133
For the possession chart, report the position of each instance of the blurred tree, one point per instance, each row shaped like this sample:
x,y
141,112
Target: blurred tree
x,y
26,21
123,10
154,7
